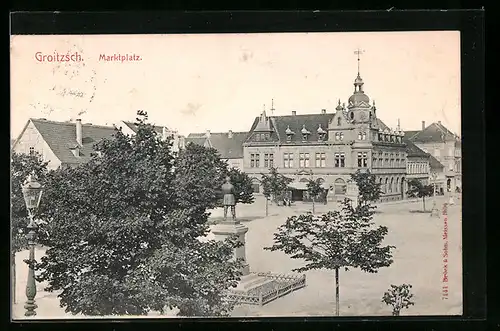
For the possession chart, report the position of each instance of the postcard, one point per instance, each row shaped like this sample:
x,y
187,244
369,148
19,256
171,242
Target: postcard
x,y
236,175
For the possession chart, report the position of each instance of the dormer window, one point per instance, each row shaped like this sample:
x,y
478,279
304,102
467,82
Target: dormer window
x,y
339,121
305,133
321,133
289,134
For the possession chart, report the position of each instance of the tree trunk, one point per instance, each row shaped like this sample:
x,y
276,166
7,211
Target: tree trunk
x,y
337,303
13,266
313,204
423,200
267,207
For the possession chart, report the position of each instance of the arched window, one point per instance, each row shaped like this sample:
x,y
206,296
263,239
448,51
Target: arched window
x,y
255,185
340,186
360,136
391,185
397,185
339,121
363,136
351,115
386,184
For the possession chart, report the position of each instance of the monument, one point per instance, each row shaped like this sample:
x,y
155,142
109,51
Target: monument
x,y
251,285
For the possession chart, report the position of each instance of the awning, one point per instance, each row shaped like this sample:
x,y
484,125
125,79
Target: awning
x,y
303,186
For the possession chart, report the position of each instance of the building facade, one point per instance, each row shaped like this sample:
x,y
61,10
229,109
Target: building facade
x,y
329,147
61,143
229,145
178,141
445,147
417,163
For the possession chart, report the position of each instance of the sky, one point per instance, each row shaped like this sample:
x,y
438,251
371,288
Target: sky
x,y
221,82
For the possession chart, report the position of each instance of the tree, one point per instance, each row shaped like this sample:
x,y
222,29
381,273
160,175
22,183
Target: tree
x,y
21,166
275,184
125,227
416,189
242,186
369,189
314,189
399,297
338,239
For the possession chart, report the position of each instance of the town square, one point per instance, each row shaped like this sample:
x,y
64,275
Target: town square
x,y
351,209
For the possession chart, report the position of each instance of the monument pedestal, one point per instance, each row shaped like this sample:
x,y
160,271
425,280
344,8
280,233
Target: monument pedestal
x,y
226,229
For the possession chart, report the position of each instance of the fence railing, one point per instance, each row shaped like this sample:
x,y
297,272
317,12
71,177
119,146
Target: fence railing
x,y
284,284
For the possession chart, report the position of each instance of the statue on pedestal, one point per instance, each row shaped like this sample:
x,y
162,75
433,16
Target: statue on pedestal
x,y
229,200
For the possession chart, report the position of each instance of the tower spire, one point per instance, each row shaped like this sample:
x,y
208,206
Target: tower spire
x,y
358,52
272,106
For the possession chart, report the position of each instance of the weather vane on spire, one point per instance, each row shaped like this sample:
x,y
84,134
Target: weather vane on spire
x,y
358,52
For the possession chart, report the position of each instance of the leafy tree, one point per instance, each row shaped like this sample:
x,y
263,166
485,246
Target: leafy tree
x,y
21,166
315,190
274,184
242,186
416,189
339,239
399,297
125,227
369,189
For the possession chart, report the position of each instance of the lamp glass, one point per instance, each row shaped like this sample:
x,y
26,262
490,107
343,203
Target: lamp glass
x,y
32,193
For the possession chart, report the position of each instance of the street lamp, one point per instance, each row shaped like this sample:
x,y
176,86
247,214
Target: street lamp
x,y
32,192
434,211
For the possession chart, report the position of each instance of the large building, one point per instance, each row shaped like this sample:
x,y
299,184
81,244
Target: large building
x,y
61,143
329,147
228,144
445,147
72,143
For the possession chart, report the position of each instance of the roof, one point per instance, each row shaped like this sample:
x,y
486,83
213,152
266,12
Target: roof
x,y
381,124
133,127
413,150
61,136
410,134
434,163
228,144
435,132
296,123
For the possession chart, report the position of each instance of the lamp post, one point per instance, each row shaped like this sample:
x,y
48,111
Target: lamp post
x,y
32,192
434,211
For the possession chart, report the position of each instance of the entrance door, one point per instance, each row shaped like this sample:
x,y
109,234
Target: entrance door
x,y
297,195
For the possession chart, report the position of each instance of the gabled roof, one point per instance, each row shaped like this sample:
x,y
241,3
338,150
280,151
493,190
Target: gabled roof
x,y
61,137
229,146
435,132
434,163
413,150
381,124
410,134
296,123
133,127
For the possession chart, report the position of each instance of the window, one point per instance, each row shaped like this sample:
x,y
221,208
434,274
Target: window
x,y
268,160
362,136
362,160
32,150
304,160
339,160
339,136
256,188
254,160
320,160
339,121
374,162
288,160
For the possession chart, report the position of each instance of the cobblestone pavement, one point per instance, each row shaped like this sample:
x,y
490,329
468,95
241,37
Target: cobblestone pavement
x,y
418,261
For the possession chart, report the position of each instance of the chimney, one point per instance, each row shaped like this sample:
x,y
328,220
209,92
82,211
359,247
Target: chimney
x,y
294,112
323,111
230,134
207,134
79,131
439,122
423,125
